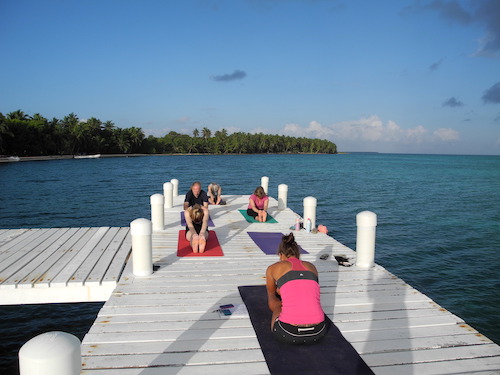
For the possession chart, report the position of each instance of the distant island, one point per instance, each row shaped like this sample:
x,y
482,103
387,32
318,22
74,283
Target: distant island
x,y
23,135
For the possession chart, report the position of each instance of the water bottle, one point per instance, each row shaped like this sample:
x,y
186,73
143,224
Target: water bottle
x,y
308,225
297,224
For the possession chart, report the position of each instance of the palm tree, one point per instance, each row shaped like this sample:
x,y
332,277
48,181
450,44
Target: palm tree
x,y
4,132
136,136
206,133
196,133
17,115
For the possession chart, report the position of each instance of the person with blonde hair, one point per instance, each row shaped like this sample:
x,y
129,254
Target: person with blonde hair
x,y
197,227
293,296
257,205
215,194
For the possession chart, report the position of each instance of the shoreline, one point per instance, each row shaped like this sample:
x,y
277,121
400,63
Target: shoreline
x,y
66,157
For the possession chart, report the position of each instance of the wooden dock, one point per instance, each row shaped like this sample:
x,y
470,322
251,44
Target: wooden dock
x,y
61,264
168,323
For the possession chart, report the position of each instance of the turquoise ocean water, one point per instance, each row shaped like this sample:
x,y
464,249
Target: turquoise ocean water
x,y
438,217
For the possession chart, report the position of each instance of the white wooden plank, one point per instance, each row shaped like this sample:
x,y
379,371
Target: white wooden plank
x,y
486,366
90,262
242,343
191,334
73,248
30,257
176,359
385,347
96,276
433,355
118,264
17,248
254,368
34,271
66,275
7,235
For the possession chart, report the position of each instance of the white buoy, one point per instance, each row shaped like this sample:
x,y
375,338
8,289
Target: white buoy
x,y
142,247
157,211
282,196
168,193
51,353
310,204
264,182
366,222
175,183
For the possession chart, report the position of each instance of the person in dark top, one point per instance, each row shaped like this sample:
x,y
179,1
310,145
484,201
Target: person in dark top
x,y
293,295
196,195
196,227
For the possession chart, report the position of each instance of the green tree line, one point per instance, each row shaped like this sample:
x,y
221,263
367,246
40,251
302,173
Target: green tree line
x,y
24,135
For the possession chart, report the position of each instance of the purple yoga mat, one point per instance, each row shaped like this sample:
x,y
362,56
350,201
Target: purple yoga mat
x,y
268,242
183,220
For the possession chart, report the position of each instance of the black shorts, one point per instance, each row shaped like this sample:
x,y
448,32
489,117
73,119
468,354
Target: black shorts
x,y
251,213
291,334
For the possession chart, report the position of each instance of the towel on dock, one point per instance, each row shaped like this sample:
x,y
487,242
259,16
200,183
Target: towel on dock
x,y
332,355
268,242
183,220
269,220
212,249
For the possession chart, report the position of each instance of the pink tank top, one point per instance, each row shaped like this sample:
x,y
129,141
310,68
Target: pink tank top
x,y
300,295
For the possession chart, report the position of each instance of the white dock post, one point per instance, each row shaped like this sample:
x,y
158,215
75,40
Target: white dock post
x,y
282,196
310,204
366,222
142,247
264,182
175,183
157,211
51,353
168,193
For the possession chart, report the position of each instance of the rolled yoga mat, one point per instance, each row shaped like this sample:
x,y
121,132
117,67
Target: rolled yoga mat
x,y
332,355
268,242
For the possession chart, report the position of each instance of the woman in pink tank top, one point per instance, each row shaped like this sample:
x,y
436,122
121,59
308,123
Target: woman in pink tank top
x,y
294,297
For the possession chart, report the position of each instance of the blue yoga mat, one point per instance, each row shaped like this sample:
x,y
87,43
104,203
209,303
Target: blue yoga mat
x,y
268,242
332,355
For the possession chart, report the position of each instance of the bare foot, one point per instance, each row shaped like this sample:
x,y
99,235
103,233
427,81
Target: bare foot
x,y
195,243
202,244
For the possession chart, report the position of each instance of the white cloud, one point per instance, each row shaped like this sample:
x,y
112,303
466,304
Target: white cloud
x,y
183,120
446,134
156,132
371,129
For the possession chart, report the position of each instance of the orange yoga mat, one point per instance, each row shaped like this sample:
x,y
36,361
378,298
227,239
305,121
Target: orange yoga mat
x,y
212,249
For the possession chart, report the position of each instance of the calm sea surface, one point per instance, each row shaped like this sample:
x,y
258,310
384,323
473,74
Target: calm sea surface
x,y
438,217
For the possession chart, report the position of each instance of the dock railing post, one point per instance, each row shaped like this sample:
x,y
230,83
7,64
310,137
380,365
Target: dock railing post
x,y
142,247
282,196
168,192
157,211
51,353
310,204
366,222
264,182
175,184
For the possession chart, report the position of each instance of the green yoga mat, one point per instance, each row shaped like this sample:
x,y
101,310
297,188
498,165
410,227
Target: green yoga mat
x,y
250,219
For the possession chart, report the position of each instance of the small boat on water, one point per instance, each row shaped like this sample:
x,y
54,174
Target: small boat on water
x,y
5,158
95,156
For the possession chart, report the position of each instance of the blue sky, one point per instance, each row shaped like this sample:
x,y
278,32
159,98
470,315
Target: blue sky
x,y
386,76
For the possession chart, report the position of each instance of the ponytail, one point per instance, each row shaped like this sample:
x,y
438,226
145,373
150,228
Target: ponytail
x,y
288,247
